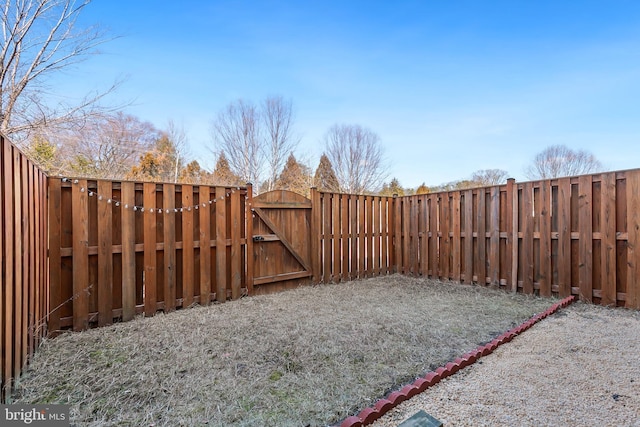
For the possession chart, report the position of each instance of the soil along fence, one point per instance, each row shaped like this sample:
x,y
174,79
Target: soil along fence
x,y
118,249
24,302
577,235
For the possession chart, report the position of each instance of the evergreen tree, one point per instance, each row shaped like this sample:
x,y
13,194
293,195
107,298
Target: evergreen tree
x,y
325,178
294,177
422,189
222,174
393,187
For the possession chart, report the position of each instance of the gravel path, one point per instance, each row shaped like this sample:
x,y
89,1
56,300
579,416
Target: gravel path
x,y
579,367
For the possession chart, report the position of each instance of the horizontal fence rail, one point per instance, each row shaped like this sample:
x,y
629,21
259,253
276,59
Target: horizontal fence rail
x,y
24,302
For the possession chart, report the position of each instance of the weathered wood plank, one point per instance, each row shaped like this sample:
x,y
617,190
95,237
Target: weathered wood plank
x,y
585,244
188,265
545,275
512,236
55,260
128,224
236,248
481,247
105,255
494,236
456,243
169,232
150,275
632,299
608,239
221,244
564,237
527,238
205,245
468,237
81,285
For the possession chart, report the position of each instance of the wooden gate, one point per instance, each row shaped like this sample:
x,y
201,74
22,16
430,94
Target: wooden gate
x,y
281,241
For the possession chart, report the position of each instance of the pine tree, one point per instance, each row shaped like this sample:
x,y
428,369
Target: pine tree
x,y
294,177
325,178
222,174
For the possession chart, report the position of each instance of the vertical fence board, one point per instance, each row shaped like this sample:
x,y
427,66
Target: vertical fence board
x,y
512,236
370,230
17,272
221,245
545,275
344,235
585,244
335,236
9,257
169,225
205,246
564,237
128,225
494,237
632,299
81,285
433,235
456,239
326,237
406,235
481,248
527,238
150,267
187,211
236,248
445,245
608,239
105,255
468,236
55,259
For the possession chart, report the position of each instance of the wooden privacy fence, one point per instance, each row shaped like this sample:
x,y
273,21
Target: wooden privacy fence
x,y
122,248
577,235
24,302
78,253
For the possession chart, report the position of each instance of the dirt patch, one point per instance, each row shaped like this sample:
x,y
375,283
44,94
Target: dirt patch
x,y
310,356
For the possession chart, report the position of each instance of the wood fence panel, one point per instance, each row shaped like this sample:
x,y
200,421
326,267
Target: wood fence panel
x,y
527,238
128,224
445,240
221,244
406,235
456,237
512,235
335,236
188,250
150,276
105,256
362,237
545,275
236,246
608,239
494,236
344,236
433,235
564,237
169,227
371,255
326,237
19,331
481,248
468,237
81,285
585,248
205,246
384,246
632,298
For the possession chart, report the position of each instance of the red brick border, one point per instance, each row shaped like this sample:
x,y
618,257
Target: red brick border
x,y
369,415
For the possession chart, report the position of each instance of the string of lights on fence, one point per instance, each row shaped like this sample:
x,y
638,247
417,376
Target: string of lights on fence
x,y
156,210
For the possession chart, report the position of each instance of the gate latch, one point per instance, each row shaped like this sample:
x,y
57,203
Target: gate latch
x,y
258,238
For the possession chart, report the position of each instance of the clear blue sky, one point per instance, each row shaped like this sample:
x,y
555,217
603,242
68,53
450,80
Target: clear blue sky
x,y
450,87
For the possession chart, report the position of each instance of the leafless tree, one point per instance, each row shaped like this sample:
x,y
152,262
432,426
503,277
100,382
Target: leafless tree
x,y
40,38
488,177
108,146
280,141
356,156
237,135
559,160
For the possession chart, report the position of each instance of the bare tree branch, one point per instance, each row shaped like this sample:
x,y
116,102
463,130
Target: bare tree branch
x,y
40,38
559,160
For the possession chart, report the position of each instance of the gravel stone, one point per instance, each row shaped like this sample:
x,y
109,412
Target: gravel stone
x,y
579,367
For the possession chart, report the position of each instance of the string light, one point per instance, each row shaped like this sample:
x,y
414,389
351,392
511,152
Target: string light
x,y
159,211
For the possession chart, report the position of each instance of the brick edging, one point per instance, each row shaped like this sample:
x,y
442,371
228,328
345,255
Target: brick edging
x,y
373,413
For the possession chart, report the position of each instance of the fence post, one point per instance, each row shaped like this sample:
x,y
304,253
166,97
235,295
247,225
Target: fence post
x,y
248,218
512,234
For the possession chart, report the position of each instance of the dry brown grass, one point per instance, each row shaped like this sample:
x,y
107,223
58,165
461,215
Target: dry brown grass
x,y
311,356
